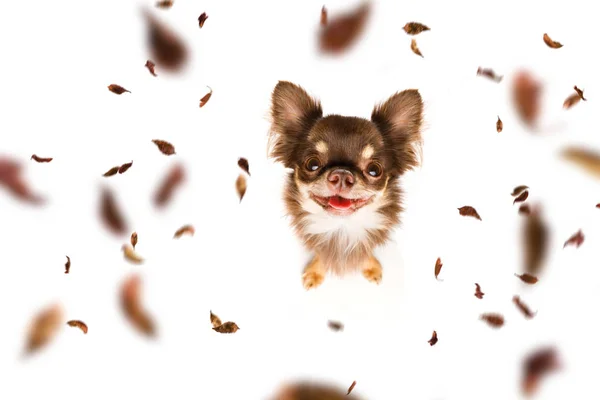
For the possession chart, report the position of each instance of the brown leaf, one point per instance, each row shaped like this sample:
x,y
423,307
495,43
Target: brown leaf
x,y
576,239
598,205
414,28
227,327
215,321
493,320
518,190
111,214
166,47
468,211
351,387
551,43
206,97
438,267
41,159
244,165
134,239
202,19
587,160
164,147
323,16
499,125
527,278
343,31
189,229
111,172
12,180
150,65
164,4
241,186
130,254
123,168
335,326
44,327
312,391
415,48
490,74
78,324
67,265
524,209
535,242
580,93
571,101
169,185
478,293
526,95
523,307
536,366
434,339
132,308
117,89
522,197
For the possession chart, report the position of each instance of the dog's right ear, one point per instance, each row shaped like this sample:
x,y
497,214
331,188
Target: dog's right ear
x,y
293,114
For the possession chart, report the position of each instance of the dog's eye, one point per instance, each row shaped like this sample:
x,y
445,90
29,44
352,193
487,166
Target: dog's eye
x,y
313,164
374,169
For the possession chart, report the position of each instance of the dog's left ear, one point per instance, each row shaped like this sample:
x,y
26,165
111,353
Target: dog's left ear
x,y
399,120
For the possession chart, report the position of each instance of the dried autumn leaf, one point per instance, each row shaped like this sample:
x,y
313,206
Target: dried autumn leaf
x,y
499,125
527,278
164,147
111,214
438,267
312,391
164,4
522,197
202,19
227,327
571,101
478,293
125,167
244,165
468,211
215,321
44,327
78,324
576,239
414,28
415,48
524,209
150,65
41,159
490,74
11,179
526,94
117,89
518,190
493,320
523,307
351,387
536,238
189,229
536,366
111,172
67,265
241,186
434,339
134,239
166,47
598,205
206,97
323,16
343,31
551,43
580,93
335,326
130,292
587,160
174,178
130,254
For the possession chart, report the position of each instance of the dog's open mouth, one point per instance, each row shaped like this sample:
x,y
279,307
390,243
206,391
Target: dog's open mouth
x,y
341,205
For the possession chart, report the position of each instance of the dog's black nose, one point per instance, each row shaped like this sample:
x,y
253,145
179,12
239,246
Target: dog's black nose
x,y
340,179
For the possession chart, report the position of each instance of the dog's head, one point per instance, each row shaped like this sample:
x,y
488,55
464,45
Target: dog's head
x,y
343,164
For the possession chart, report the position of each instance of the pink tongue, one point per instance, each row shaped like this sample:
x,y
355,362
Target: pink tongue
x,y
340,203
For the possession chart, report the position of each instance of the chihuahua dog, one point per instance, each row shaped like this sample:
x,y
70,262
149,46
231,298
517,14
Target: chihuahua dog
x,y
343,193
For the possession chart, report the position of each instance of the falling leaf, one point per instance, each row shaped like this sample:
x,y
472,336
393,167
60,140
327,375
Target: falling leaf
x,y
11,178
132,308
414,28
571,101
598,205
535,242
587,160
166,47
134,239
150,65
434,339
44,327
415,48
438,267
164,147
117,89
490,74
244,165
351,387
524,209
468,211
174,178
67,265
111,214
78,324
499,125
523,307
342,31
576,239
518,190
241,186
527,278
164,4
493,320
536,366
522,197
189,229
580,93
41,159
335,326
526,94
202,19
551,43
111,172
323,16
215,321
123,168
227,327
478,293
205,98
130,254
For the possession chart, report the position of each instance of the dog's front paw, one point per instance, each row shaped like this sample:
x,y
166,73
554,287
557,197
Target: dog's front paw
x,y
311,279
373,271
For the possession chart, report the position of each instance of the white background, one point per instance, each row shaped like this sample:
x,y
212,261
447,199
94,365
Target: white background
x,y
244,262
